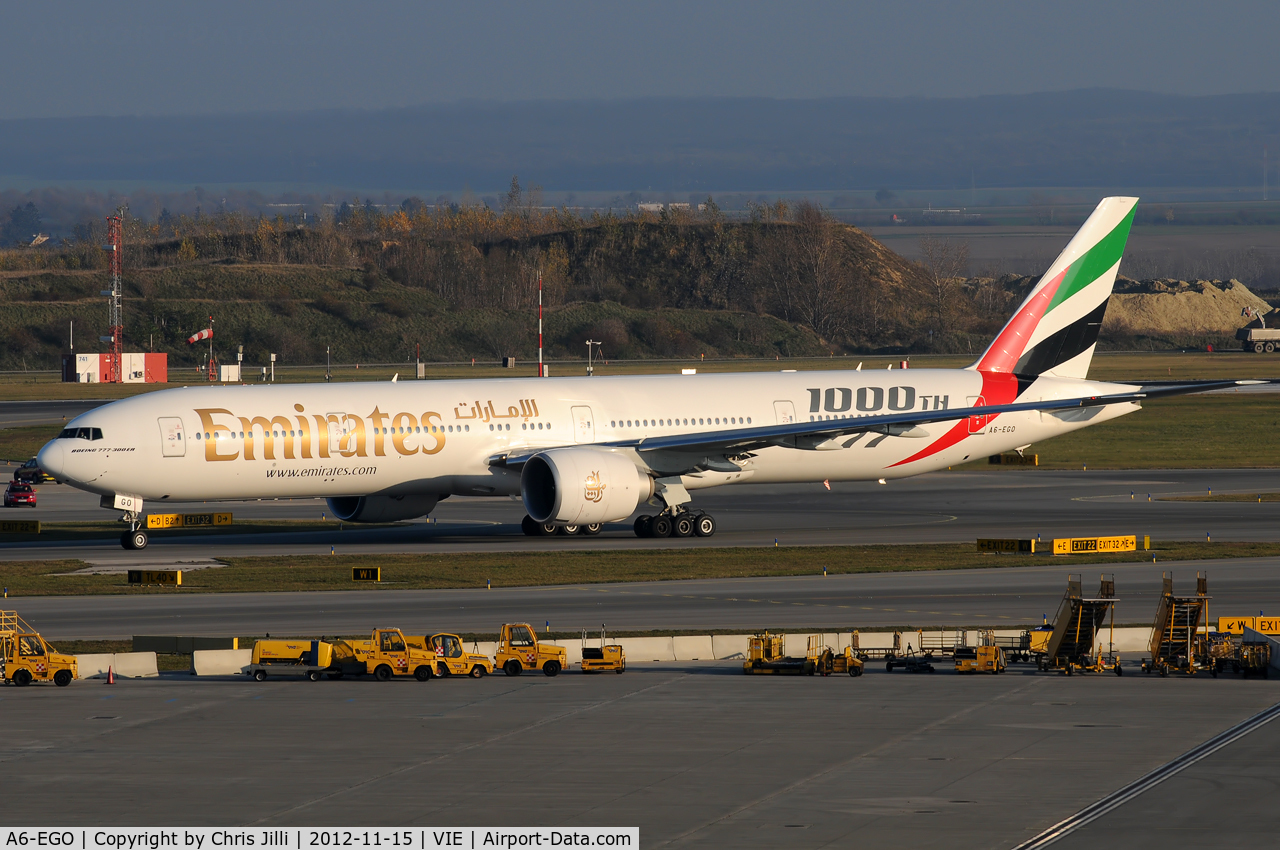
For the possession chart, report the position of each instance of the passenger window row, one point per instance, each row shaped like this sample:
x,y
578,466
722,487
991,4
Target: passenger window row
x,y
673,423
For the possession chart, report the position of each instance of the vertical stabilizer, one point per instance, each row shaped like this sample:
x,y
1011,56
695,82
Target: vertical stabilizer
x,y
1055,330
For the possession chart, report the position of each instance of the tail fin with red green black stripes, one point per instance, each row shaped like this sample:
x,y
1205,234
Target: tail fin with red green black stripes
x,y
1055,330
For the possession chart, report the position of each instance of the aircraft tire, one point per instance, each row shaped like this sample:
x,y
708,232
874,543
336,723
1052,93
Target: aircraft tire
x,y
593,528
682,526
569,529
661,526
547,529
643,526
529,527
704,525
138,539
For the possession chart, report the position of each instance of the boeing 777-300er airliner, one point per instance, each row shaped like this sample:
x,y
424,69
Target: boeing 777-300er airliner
x,y
581,452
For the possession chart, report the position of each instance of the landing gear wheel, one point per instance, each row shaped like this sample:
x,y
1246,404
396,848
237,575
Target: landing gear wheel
x,y
593,528
529,527
704,525
260,675
569,529
546,529
422,673
682,526
643,526
551,668
512,668
62,678
661,526
22,678
138,539
383,673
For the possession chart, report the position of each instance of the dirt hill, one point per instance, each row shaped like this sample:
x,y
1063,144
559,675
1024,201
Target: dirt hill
x,y
1179,307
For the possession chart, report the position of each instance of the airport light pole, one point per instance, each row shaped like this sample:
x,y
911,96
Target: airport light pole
x,y
590,368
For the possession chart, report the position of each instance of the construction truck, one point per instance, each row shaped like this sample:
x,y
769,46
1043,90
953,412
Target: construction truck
x,y
1256,336
452,659
520,650
607,656
27,658
309,658
765,657
827,661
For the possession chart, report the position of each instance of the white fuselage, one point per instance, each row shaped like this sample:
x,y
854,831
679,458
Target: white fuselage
x,y
215,443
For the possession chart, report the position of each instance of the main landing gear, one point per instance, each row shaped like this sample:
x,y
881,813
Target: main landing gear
x,y
546,529
135,537
681,524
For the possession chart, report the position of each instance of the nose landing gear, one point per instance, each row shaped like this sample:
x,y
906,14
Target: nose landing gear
x,y
135,537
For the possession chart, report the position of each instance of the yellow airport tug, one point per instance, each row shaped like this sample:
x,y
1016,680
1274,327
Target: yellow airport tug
x,y
604,658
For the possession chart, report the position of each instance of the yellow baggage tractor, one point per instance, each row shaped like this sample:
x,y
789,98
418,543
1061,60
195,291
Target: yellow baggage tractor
x,y
453,660
827,661
520,650
606,657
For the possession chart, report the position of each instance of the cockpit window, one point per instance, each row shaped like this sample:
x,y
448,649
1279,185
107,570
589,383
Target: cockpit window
x,y
80,434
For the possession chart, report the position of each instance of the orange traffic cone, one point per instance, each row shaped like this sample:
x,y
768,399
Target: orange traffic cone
x,y
111,675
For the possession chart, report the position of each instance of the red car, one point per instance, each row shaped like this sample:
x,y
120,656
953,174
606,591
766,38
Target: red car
x,y
19,494
31,473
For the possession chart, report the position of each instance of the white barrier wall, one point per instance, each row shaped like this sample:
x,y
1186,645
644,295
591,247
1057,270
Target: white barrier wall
x,y
126,665
729,646
220,662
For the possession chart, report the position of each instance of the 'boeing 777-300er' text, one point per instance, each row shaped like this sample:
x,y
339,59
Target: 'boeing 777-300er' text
x,y
581,452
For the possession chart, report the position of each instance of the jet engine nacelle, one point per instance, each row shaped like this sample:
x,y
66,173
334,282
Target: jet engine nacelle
x,y
582,486
381,508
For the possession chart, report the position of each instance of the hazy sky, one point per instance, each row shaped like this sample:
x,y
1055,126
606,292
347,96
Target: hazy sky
x,y
64,59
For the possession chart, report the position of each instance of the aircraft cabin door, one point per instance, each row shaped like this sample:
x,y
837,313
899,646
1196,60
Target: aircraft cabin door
x,y
977,424
785,411
172,441
584,429
337,433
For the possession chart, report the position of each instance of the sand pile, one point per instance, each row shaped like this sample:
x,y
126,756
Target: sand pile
x,y
1179,307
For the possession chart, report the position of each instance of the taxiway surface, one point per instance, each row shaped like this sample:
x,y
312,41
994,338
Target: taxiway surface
x,y
951,506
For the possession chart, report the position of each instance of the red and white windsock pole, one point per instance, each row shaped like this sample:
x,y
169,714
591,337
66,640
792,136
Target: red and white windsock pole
x,y
540,374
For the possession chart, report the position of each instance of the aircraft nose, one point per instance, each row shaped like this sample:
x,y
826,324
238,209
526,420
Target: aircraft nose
x,y
52,459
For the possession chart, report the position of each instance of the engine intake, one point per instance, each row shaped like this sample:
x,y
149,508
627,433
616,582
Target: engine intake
x,y
381,508
582,486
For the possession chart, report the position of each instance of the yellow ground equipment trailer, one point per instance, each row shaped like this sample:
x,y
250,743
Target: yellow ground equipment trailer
x,y
986,658
301,657
520,650
452,659
1069,648
1175,640
27,658
765,657
603,658
827,661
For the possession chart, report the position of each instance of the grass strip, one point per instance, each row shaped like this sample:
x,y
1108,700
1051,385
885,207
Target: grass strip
x,y
109,529
412,571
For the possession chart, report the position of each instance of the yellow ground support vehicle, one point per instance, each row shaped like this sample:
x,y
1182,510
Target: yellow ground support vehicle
x,y
979,659
453,660
301,657
519,650
764,657
27,658
605,657
827,661
387,653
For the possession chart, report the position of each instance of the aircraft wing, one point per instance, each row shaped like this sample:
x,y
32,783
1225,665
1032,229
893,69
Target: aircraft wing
x,y
834,434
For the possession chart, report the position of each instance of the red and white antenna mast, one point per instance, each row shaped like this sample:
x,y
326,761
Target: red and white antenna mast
x,y
115,244
540,372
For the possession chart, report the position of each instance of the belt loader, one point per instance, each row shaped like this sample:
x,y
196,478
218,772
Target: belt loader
x,y
607,656
26,658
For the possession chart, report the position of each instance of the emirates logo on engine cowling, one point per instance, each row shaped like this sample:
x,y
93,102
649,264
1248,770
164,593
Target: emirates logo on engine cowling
x,y
593,488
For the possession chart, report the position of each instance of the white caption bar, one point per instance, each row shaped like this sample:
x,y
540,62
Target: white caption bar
x,y
312,838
